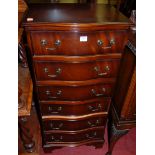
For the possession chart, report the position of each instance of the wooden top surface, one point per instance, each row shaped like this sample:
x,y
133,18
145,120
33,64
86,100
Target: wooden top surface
x,y
98,14
25,83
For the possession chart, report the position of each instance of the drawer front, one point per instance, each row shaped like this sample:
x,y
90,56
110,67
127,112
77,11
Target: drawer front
x,y
78,43
72,125
75,108
76,71
74,137
73,93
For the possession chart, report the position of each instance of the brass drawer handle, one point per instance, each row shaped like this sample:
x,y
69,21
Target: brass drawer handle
x,y
93,135
50,48
93,109
95,124
111,42
97,95
104,73
48,93
56,128
56,140
44,43
58,72
57,43
59,109
99,42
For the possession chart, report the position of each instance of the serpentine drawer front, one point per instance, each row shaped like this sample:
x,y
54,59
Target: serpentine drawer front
x,y
75,71
95,134
75,52
70,92
74,124
75,108
56,43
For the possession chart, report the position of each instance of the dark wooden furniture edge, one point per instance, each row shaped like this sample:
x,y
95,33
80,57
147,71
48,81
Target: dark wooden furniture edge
x,y
117,128
117,122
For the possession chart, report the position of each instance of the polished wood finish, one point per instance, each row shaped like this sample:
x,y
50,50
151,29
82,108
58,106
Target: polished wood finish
x,y
75,51
123,108
75,15
73,125
75,108
129,111
75,71
126,84
76,83
74,59
67,46
70,93
91,134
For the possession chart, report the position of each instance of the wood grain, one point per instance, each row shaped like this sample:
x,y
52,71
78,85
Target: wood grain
x,y
25,83
77,93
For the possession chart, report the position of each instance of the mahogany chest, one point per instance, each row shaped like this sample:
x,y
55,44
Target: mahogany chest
x,y
75,52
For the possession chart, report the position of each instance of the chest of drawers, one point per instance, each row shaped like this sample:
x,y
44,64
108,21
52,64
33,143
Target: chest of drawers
x,y
75,54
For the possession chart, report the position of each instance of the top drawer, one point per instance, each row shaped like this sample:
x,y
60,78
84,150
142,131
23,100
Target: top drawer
x,y
77,43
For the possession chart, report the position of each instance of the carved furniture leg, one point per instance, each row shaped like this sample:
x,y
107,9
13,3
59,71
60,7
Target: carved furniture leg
x,y
113,136
26,135
22,54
